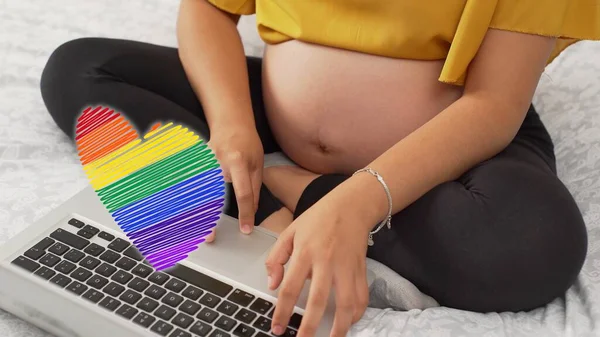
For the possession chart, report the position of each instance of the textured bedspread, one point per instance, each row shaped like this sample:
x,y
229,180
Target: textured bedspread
x,y
39,169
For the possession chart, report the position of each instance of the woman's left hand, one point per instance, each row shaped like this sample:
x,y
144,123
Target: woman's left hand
x,y
327,244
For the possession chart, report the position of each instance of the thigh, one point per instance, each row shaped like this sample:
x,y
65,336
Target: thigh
x,y
145,82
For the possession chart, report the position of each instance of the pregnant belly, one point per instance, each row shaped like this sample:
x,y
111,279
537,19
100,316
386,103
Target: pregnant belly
x,y
333,110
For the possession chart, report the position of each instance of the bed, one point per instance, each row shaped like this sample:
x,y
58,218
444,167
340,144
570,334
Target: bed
x,y
39,168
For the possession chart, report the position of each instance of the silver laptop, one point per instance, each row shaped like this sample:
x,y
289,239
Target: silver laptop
x,y
74,273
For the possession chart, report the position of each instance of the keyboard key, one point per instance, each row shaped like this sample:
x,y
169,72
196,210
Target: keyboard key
x,y
210,300
295,320
89,262
74,255
69,239
76,223
114,289
81,274
138,284
182,320
76,287
45,272
245,316
65,267
144,319
109,256
118,245
130,296
133,253
106,269
49,260
147,304
110,303
241,297
34,253
91,229
165,312
175,285
262,334
208,315
121,276
200,280
125,263
219,333
126,311
60,280
262,323
58,248
82,232
93,295
243,330
290,333
39,249
106,236
225,323
180,333
162,328
26,263
200,329
141,270
158,278
172,299
192,293
155,292
261,306
44,243
97,281
94,249
227,308
189,307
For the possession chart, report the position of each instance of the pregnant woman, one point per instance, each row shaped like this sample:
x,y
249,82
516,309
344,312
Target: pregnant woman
x,y
396,130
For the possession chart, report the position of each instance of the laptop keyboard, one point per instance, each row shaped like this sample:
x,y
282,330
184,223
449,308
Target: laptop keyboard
x,y
179,302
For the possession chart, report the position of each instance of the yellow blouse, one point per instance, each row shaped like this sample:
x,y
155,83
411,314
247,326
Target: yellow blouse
x,y
450,30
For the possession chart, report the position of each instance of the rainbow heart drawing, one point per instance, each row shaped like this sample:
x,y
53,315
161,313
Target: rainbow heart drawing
x,y
165,191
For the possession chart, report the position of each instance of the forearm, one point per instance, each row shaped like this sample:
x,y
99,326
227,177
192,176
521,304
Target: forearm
x,y
466,133
501,81
212,55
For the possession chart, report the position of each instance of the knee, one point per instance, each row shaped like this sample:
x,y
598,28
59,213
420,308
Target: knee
x,y
65,61
62,83
528,245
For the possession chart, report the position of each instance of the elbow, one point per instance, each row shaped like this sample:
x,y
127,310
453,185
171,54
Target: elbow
x,y
502,129
500,124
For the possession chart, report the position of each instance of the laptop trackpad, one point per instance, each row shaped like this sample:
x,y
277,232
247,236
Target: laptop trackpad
x,y
232,253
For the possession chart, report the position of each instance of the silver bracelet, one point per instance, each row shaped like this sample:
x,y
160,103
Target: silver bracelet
x,y
388,219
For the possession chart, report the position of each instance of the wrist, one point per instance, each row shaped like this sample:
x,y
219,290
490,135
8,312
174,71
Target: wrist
x,y
233,129
235,122
366,197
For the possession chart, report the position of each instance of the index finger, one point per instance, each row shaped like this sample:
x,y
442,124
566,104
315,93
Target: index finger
x,y
242,186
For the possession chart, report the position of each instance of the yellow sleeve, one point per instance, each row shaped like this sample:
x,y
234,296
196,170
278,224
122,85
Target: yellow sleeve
x,y
568,20
239,7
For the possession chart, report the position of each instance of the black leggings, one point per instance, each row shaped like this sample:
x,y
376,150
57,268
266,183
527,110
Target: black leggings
x,y
506,236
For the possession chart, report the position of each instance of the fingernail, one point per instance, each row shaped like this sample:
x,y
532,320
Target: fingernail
x,y
246,229
270,281
278,330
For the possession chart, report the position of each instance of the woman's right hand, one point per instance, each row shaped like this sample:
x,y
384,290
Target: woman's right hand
x,y
241,155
